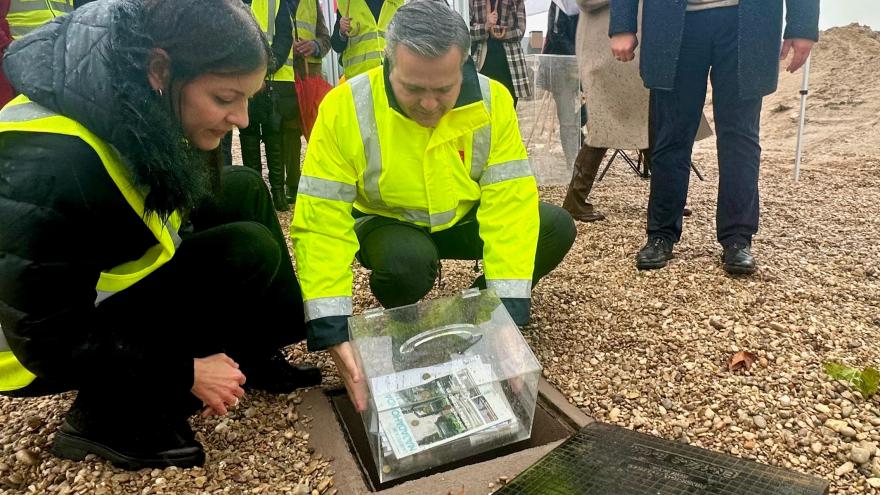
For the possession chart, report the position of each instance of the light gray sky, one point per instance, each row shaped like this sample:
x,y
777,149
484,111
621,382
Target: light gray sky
x,y
833,13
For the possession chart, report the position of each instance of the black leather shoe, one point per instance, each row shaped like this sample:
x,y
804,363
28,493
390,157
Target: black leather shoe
x,y
737,259
275,374
279,199
144,443
656,253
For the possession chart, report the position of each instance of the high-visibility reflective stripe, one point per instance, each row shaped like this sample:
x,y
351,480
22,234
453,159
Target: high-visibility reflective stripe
x,y
4,346
306,26
357,59
51,6
511,288
363,101
24,112
273,12
323,307
327,189
20,6
483,135
421,216
367,36
501,172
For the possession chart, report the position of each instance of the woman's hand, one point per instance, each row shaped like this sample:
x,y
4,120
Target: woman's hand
x,y
623,46
305,48
217,383
345,26
491,19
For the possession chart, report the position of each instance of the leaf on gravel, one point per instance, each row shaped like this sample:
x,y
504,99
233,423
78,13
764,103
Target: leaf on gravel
x,y
742,360
866,381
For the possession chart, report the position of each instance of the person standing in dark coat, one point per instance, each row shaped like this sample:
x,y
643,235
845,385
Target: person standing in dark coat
x,y
738,42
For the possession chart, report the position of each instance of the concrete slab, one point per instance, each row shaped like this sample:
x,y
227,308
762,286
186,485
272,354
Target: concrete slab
x,y
329,440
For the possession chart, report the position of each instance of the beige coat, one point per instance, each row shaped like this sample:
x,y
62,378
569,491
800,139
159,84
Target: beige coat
x,y
617,100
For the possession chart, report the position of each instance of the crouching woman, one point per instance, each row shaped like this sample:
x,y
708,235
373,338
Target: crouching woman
x,y
133,267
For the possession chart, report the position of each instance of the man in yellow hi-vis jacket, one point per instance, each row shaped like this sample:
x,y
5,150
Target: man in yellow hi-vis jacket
x,y
414,162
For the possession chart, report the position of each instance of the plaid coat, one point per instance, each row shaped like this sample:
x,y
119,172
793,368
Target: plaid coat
x,y
512,16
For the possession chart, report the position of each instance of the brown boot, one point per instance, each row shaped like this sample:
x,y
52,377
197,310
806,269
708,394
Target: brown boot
x,y
586,165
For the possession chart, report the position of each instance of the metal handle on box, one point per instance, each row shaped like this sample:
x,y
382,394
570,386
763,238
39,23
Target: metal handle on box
x,y
462,330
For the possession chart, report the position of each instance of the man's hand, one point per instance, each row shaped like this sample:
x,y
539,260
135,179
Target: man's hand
x,y
305,48
623,46
491,19
802,48
343,356
345,26
217,382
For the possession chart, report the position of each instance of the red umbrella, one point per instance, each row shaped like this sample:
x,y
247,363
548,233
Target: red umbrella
x,y
310,90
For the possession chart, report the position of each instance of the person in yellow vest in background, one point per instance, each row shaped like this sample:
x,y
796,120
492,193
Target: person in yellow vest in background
x,y
132,267
311,44
26,15
359,33
411,163
267,118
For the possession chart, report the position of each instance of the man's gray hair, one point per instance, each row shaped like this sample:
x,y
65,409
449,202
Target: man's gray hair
x,y
428,28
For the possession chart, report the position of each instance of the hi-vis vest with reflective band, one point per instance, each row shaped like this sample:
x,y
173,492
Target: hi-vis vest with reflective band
x,y
26,15
365,154
306,22
265,11
366,47
23,115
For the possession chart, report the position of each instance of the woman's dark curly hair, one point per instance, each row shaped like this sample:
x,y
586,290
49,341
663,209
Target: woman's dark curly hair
x,y
200,37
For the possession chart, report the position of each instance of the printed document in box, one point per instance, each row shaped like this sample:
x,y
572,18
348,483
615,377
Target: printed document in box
x,y
439,404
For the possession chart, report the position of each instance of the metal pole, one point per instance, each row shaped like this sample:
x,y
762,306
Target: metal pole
x,y
805,90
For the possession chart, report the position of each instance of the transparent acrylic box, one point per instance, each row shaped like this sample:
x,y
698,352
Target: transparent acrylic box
x,y
448,378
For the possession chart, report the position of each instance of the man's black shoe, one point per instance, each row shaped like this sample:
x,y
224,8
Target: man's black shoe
x,y
275,374
160,447
656,253
737,259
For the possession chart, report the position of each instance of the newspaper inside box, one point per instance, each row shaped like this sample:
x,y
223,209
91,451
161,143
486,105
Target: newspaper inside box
x,y
448,378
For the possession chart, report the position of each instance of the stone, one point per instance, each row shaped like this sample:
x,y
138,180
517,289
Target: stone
x,y
614,415
848,432
27,457
816,447
785,401
874,482
759,421
845,468
859,455
836,424
822,408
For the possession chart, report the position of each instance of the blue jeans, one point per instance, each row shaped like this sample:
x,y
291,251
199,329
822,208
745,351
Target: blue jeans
x,y
708,50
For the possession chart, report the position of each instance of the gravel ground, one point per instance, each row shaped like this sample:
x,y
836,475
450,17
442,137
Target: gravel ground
x,y
645,350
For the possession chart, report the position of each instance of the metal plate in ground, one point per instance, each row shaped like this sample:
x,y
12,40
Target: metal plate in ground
x,y
604,459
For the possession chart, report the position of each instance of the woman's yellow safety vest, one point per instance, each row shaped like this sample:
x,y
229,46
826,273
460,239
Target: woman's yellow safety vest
x,y
262,10
366,44
26,15
23,115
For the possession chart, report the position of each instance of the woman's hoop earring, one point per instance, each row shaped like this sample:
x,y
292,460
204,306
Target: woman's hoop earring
x,y
160,92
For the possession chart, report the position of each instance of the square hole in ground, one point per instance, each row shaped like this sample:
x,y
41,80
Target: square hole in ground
x,y
554,420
